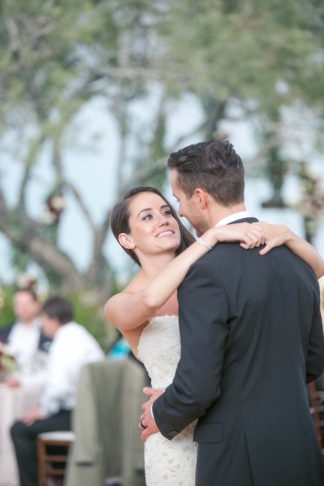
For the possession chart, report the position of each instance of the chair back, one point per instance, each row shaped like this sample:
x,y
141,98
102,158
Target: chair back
x,y
316,396
52,465
107,440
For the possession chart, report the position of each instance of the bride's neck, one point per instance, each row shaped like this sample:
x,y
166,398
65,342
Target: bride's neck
x,y
153,264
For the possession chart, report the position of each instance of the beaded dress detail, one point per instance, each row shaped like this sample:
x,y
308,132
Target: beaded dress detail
x,y
167,463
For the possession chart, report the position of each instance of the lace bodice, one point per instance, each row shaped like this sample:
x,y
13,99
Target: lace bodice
x,y
167,463
159,349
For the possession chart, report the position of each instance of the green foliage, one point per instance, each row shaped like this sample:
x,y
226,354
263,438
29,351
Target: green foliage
x,y
7,315
243,49
55,57
20,260
264,54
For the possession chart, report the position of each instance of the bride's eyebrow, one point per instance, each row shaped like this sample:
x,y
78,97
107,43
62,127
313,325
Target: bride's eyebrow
x,y
143,211
164,206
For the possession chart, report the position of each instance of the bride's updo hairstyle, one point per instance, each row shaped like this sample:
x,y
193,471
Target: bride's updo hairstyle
x,y
120,220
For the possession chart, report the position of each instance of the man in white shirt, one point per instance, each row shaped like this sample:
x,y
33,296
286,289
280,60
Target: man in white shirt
x,y
25,339
72,348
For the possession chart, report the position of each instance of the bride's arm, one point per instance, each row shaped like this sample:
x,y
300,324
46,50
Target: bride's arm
x,y
277,235
128,310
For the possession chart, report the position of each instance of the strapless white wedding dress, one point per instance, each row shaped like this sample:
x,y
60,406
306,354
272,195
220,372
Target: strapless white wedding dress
x,y
167,463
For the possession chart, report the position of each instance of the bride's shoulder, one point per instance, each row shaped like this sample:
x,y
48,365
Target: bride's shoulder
x,y
135,285
138,283
116,303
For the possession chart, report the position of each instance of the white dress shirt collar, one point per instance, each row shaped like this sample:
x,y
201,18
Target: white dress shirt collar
x,y
233,217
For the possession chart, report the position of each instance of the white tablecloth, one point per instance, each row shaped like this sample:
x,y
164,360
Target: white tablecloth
x,y
13,404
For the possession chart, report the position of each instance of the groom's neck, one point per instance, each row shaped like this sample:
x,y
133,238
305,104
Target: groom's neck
x,y
218,212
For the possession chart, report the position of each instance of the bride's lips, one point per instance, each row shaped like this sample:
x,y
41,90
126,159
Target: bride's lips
x,y
165,234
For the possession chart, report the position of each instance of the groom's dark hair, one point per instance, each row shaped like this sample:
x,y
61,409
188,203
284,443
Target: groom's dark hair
x,y
213,166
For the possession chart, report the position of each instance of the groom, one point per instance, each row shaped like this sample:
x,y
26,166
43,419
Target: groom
x,y
251,337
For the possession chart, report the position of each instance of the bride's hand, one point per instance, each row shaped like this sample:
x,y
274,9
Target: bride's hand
x,y
275,235
250,235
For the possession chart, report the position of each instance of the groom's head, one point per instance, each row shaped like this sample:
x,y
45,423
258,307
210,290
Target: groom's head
x,y
208,181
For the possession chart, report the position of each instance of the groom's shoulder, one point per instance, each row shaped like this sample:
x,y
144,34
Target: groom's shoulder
x,y
212,267
220,255
221,251
226,256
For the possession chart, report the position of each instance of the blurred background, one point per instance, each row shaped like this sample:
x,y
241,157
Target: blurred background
x,y
94,95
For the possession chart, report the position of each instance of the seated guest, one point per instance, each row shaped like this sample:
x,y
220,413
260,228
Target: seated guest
x,y
25,339
72,348
321,283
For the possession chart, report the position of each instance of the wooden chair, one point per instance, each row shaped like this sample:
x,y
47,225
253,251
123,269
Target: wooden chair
x,y
48,460
316,396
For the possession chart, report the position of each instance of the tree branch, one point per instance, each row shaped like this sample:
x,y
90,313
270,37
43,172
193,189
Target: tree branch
x,y
3,204
13,34
57,164
29,162
78,198
26,237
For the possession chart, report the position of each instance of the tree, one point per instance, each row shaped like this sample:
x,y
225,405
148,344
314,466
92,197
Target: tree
x,y
250,60
262,58
50,72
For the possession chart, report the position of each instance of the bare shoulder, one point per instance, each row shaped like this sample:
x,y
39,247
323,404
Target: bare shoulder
x,y
117,303
136,284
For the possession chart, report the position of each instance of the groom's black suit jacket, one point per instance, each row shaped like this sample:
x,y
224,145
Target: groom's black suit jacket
x,y
251,335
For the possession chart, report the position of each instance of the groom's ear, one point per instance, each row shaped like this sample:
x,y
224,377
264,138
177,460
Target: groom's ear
x,y
201,197
126,241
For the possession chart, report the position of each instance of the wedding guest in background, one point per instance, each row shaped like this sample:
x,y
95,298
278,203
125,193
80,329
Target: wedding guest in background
x,y
319,383
72,348
25,339
321,282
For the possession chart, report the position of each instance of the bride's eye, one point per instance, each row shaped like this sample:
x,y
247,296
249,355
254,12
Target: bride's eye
x,y
167,212
147,217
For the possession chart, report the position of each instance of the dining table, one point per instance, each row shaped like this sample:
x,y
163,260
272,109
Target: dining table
x,y
14,403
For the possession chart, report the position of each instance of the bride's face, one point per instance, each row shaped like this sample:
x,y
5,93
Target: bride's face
x,y
153,229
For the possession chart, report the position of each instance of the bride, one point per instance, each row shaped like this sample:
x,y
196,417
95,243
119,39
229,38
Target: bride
x,y
145,312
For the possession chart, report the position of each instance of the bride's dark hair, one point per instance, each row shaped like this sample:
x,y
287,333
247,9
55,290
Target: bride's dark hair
x,y
120,220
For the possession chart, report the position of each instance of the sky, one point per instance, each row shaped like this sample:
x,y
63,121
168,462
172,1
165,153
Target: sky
x,y
90,162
